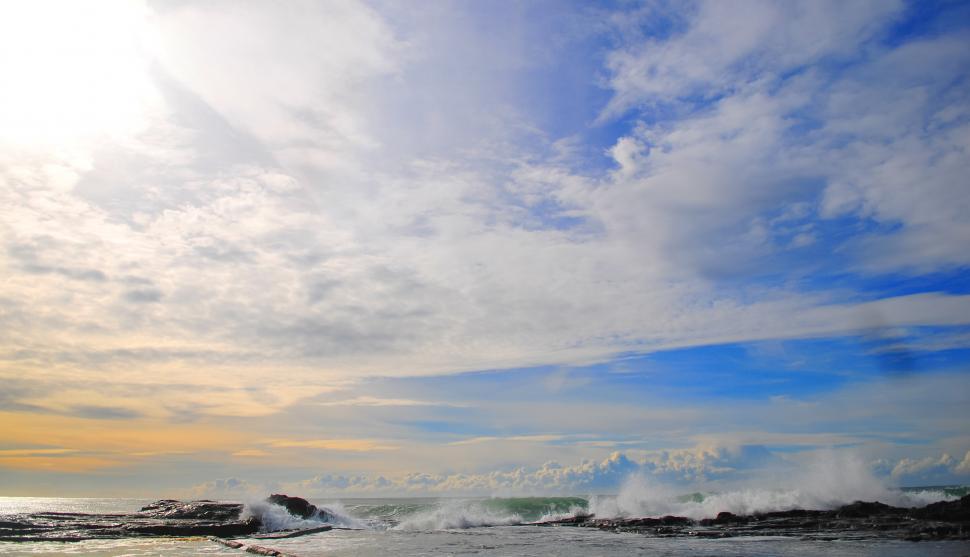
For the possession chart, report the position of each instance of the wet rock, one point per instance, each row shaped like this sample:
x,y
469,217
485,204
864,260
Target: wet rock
x,y
193,510
161,518
724,517
860,520
948,511
297,506
861,509
190,528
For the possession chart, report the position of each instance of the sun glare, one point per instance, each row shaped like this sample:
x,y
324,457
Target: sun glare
x,y
72,71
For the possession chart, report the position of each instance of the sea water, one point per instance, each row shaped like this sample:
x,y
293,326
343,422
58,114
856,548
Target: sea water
x,y
491,526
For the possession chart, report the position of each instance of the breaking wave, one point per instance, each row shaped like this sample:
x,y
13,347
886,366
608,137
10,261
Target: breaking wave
x,y
274,517
452,515
827,484
639,497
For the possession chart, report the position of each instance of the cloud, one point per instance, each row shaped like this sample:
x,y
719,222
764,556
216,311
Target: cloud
x,y
336,254
252,453
682,467
378,401
300,197
103,412
352,445
229,488
752,465
925,466
714,47
964,466
489,439
5,453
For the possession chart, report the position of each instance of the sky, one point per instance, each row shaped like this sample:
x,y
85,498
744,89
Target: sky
x,y
349,247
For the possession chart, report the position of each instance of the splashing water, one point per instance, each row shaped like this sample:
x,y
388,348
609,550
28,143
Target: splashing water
x,y
449,515
828,482
275,517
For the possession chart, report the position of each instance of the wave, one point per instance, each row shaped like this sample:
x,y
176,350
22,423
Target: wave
x,y
450,515
828,483
275,517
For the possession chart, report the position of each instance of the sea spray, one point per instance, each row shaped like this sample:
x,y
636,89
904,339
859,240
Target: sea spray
x,y
339,516
449,514
827,481
274,517
458,514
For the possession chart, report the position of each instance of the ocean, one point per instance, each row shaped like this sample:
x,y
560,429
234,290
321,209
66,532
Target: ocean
x,y
486,526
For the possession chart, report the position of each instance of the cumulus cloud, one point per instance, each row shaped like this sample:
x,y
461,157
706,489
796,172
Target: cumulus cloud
x,y
682,467
230,489
267,226
753,466
928,467
291,206
964,466
665,473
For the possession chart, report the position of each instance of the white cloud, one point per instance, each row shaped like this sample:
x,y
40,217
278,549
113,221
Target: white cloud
x,y
724,46
964,466
271,222
378,401
928,465
751,467
229,489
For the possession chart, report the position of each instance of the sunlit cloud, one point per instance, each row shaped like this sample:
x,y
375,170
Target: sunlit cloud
x,y
376,401
475,237
352,445
532,438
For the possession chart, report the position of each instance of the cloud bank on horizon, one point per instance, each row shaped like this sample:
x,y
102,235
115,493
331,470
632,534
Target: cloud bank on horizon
x,y
479,238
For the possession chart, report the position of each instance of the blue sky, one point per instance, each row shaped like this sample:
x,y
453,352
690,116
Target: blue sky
x,y
357,247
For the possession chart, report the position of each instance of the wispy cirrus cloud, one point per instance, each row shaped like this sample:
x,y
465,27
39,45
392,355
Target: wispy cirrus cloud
x,y
290,200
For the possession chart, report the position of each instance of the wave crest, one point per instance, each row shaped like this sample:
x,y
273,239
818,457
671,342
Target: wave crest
x,y
828,483
452,515
275,517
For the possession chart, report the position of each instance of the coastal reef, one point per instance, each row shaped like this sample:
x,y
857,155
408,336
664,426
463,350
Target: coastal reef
x,y
162,518
946,520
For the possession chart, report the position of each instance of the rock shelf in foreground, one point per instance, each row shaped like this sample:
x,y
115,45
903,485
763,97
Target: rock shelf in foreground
x,y
161,518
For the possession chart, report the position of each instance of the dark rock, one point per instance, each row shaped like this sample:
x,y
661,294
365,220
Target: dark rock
x,y
861,509
297,506
948,511
568,521
161,518
193,510
861,520
190,528
724,517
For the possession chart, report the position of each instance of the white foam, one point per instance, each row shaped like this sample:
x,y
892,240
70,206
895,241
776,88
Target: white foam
x,y
458,514
827,482
573,511
275,517
339,516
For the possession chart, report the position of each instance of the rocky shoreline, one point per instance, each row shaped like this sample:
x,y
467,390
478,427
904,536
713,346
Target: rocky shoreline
x,y
166,518
161,518
948,520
